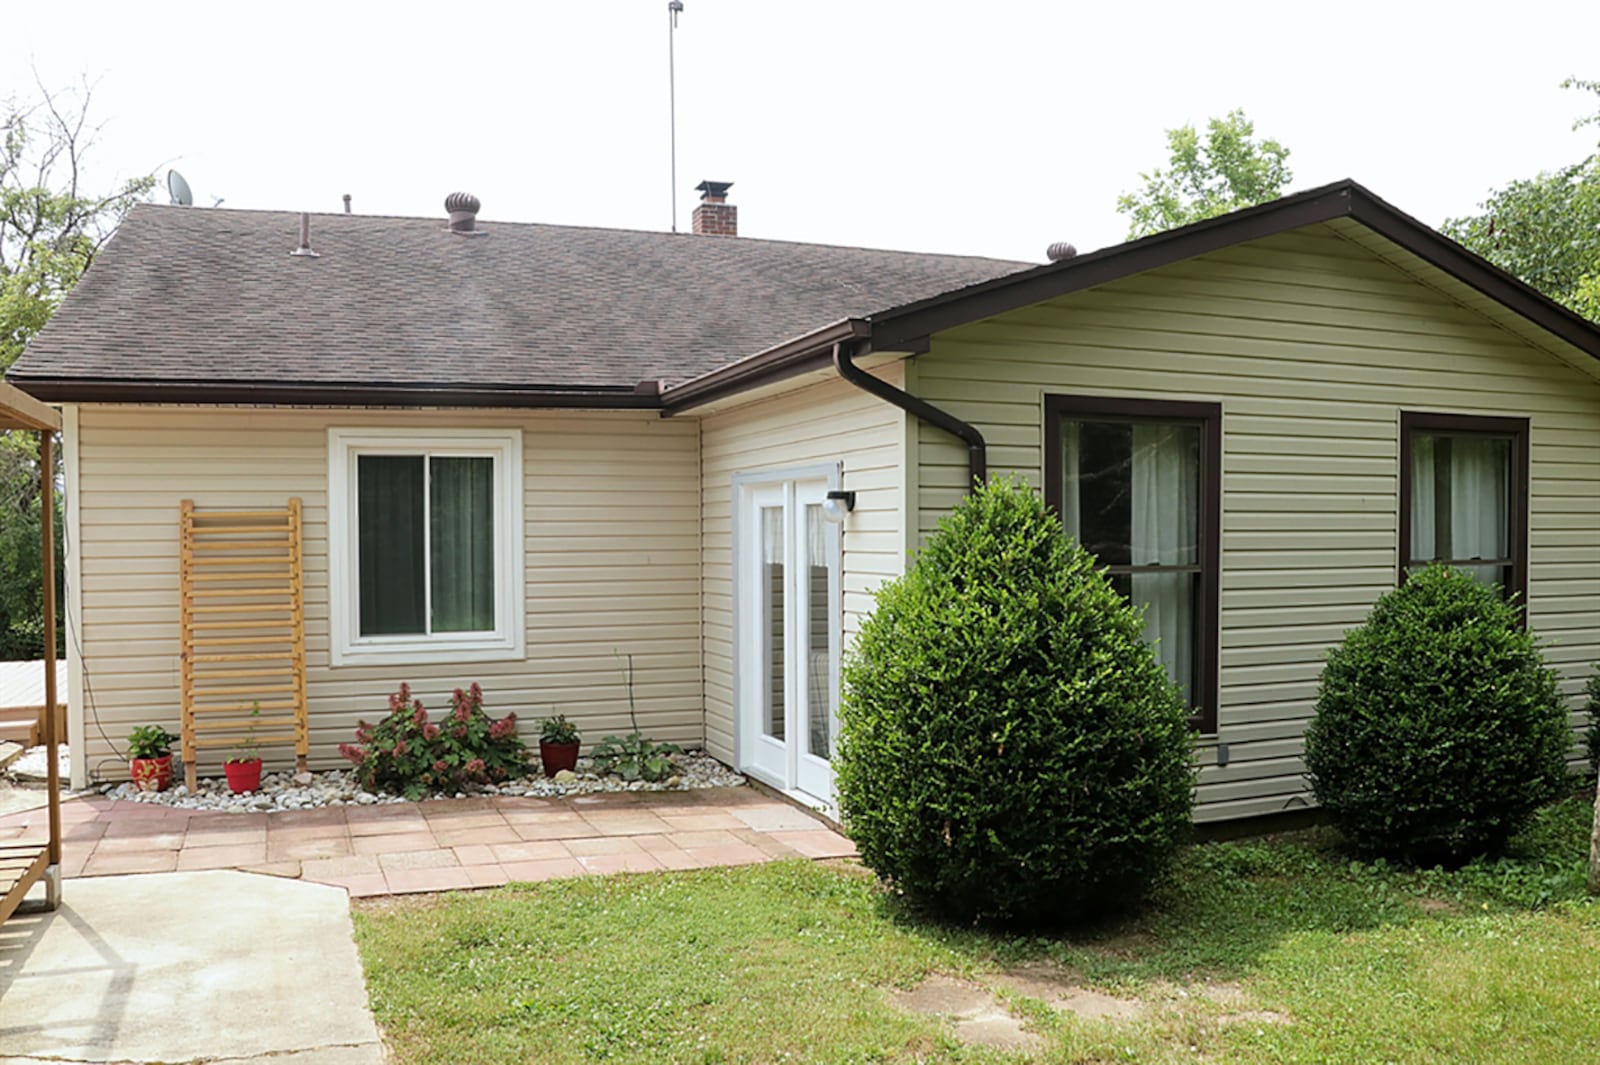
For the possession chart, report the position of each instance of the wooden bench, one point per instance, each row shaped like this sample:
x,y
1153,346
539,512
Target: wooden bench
x,y
25,724
21,864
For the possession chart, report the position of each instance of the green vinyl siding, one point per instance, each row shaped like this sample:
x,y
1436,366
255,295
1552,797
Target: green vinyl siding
x,y
1313,344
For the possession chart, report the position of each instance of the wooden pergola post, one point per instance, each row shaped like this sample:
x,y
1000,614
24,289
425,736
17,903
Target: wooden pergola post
x,y
24,863
52,742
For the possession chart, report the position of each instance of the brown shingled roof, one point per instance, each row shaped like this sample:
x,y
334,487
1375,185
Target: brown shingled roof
x,y
207,297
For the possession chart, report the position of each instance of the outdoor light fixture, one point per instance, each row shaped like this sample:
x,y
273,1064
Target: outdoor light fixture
x,y
838,504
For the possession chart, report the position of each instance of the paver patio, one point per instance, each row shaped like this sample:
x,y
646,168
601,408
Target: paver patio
x,y
442,844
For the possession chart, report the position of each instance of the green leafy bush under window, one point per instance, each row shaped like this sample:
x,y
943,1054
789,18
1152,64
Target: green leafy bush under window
x,y
1011,751
1439,728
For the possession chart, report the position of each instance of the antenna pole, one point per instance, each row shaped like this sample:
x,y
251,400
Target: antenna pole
x,y
674,7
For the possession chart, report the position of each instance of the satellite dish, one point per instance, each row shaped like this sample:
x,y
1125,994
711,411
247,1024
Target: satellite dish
x,y
179,190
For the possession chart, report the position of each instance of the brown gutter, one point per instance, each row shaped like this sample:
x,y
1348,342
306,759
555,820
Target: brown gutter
x,y
70,390
839,343
777,363
977,448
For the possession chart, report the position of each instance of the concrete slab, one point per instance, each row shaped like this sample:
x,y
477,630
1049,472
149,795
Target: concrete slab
x,y
214,966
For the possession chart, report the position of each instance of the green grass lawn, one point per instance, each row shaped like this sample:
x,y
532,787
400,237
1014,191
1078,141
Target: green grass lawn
x,y
1279,950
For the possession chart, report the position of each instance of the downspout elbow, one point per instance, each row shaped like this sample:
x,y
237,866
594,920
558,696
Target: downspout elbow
x,y
977,448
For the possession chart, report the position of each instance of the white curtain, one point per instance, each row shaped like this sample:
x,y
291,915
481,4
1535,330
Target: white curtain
x,y
1071,509
816,536
1166,523
1424,525
772,536
1478,519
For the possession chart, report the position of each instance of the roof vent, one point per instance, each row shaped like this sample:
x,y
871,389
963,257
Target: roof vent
x,y
1060,250
463,209
305,237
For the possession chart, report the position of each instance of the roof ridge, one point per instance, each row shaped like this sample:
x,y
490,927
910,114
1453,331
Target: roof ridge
x,y
490,223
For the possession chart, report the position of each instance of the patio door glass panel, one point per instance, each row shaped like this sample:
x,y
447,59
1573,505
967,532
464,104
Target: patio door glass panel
x,y
787,643
774,612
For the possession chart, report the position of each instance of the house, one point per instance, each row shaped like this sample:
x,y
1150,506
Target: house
x,y
560,461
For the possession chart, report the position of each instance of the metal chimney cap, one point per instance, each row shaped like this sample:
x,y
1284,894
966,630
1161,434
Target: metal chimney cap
x,y
1060,250
463,210
713,191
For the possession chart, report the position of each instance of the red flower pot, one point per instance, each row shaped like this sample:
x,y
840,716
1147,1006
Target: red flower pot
x,y
151,774
243,776
557,756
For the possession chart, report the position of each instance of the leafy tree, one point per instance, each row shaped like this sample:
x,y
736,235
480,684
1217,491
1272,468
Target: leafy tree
x,y
21,599
1546,229
51,226
1229,170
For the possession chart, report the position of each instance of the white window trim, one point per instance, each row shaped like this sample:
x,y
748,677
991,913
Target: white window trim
x,y
346,646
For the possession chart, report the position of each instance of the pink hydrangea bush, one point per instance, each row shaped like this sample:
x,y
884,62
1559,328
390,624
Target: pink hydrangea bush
x,y
407,754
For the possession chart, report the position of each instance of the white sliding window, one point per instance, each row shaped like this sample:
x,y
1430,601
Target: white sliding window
x,y
425,545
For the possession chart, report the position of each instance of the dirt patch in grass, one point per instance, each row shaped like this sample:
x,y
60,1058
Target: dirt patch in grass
x,y
980,1018
1239,1003
1428,904
1059,989
940,995
380,904
1125,946
975,1013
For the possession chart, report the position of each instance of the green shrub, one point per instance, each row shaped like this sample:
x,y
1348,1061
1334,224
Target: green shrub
x,y
407,754
1010,750
1439,729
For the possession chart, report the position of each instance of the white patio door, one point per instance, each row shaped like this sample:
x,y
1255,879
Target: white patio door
x,y
787,639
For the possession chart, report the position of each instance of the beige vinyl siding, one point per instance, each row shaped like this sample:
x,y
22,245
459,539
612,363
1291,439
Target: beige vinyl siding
x,y
1313,346
611,530
822,423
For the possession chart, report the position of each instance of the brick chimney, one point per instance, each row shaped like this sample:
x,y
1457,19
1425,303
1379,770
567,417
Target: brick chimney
x,y
715,217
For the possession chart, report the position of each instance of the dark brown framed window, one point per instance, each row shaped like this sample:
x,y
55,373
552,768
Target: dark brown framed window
x,y
1464,496
1139,483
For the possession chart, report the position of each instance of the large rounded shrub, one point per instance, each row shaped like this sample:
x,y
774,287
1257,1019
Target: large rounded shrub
x,y
1439,729
1010,750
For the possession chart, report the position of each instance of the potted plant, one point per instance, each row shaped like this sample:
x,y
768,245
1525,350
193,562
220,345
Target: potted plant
x,y
150,757
558,745
243,766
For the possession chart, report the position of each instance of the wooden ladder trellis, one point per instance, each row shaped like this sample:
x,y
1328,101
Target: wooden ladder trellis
x,y
244,637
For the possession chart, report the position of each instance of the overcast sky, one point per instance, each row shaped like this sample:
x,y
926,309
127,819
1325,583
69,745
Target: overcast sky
x,y
988,127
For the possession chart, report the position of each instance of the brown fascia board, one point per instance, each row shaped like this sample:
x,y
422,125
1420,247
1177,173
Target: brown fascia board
x,y
82,390
899,327
802,354
1471,269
